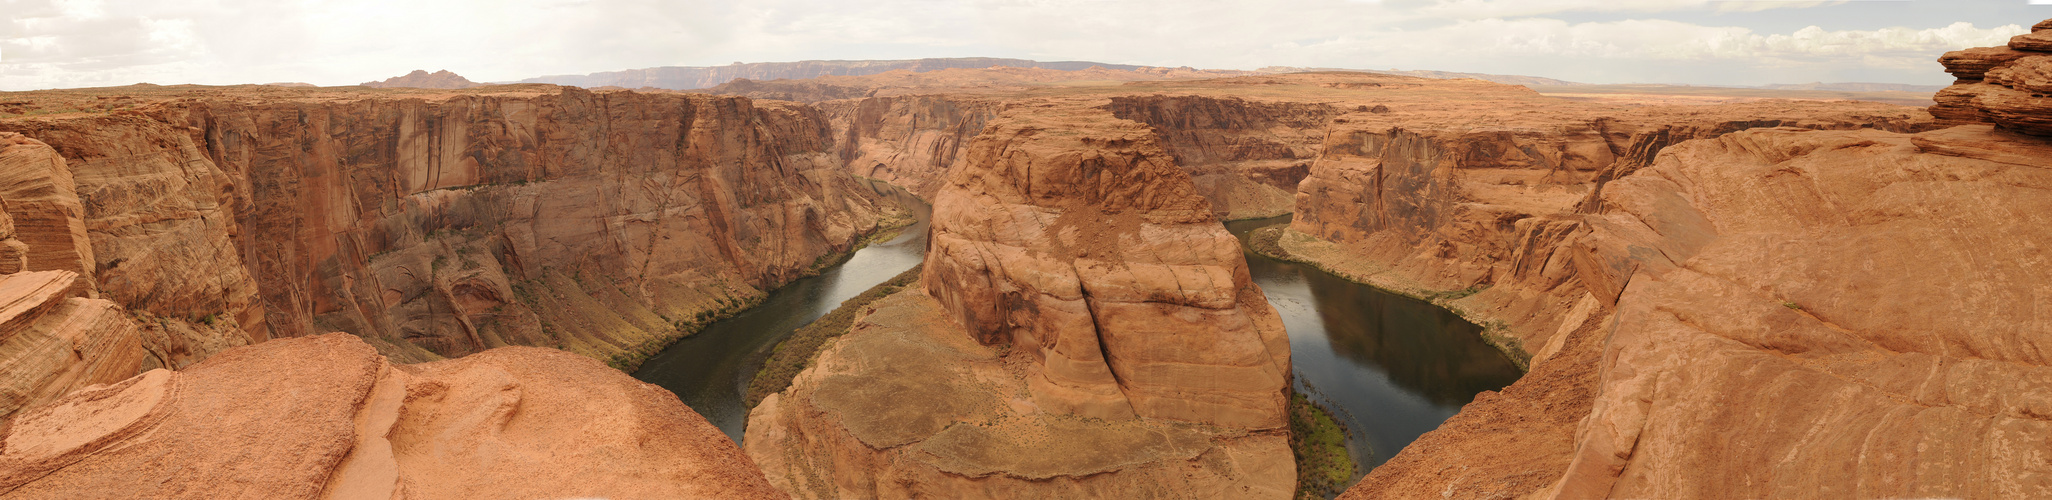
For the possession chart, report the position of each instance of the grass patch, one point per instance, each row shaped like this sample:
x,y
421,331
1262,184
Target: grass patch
x,y
795,352
1320,444
1267,241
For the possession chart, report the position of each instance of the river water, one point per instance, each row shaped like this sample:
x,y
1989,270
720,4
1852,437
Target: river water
x,y
710,369
1391,367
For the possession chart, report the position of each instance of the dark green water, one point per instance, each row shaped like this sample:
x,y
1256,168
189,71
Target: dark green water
x,y
1391,367
710,370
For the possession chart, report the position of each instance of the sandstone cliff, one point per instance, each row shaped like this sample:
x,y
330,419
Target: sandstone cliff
x,y
2004,85
442,224
1245,156
1777,312
327,417
1085,328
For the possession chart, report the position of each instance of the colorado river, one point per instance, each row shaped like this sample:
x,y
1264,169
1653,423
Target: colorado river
x,y
1391,367
710,369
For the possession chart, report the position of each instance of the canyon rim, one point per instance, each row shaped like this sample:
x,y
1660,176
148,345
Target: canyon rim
x,y
433,287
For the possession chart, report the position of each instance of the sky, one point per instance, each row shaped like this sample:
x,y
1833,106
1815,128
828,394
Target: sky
x,y
92,43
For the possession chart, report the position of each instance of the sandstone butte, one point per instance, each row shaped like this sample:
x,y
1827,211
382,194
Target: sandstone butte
x,y
1734,300
1085,328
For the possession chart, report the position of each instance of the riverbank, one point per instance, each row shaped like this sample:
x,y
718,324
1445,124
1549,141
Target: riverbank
x,y
631,359
796,352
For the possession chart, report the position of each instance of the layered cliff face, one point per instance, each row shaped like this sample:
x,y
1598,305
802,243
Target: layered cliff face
x,y
327,417
2004,85
1450,204
1777,312
908,141
1245,156
1773,306
446,224
1084,328
54,337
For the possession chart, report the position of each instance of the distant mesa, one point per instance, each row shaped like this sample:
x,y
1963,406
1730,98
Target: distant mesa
x,y
421,79
1856,87
304,84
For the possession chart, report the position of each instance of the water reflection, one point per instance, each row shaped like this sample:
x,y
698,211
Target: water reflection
x,y
1393,367
710,370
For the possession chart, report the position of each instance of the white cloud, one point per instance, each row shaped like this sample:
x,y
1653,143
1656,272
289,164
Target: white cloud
x,y
66,43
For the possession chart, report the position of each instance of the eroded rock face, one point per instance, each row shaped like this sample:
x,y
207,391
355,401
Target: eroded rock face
x,y
53,342
603,224
908,141
1762,316
48,219
2007,86
1783,332
1085,327
1082,242
327,417
1245,156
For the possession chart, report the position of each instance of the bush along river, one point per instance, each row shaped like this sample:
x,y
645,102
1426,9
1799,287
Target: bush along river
x,y
1390,368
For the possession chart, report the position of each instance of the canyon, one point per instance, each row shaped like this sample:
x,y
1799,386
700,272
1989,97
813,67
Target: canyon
x,y
1743,299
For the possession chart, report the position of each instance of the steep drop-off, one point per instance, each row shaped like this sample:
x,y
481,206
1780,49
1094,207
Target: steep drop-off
x,y
1776,312
1084,328
443,224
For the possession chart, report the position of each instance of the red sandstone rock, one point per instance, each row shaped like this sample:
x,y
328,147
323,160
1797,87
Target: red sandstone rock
x,y
327,417
44,205
1974,63
442,226
2010,86
1085,328
52,344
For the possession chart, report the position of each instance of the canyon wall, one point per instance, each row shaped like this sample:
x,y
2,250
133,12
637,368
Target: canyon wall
x,y
909,141
327,417
1084,327
444,225
1476,207
1245,156
1773,312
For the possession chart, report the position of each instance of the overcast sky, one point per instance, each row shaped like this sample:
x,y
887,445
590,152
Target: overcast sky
x,y
88,43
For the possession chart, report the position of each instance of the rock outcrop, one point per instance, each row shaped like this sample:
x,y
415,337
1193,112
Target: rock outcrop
x,y
1773,312
421,79
327,417
1245,156
2007,86
449,223
909,141
1085,328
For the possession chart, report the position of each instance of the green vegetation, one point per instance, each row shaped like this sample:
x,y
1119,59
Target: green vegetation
x,y
796,352
1792,305
1323,466
1267,241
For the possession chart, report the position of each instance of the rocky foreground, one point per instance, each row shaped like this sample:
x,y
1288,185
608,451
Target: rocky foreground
x,y
327,417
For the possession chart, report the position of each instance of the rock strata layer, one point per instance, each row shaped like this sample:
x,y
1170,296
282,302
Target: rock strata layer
x,y
439,224
1773,312
327,417
2009,86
